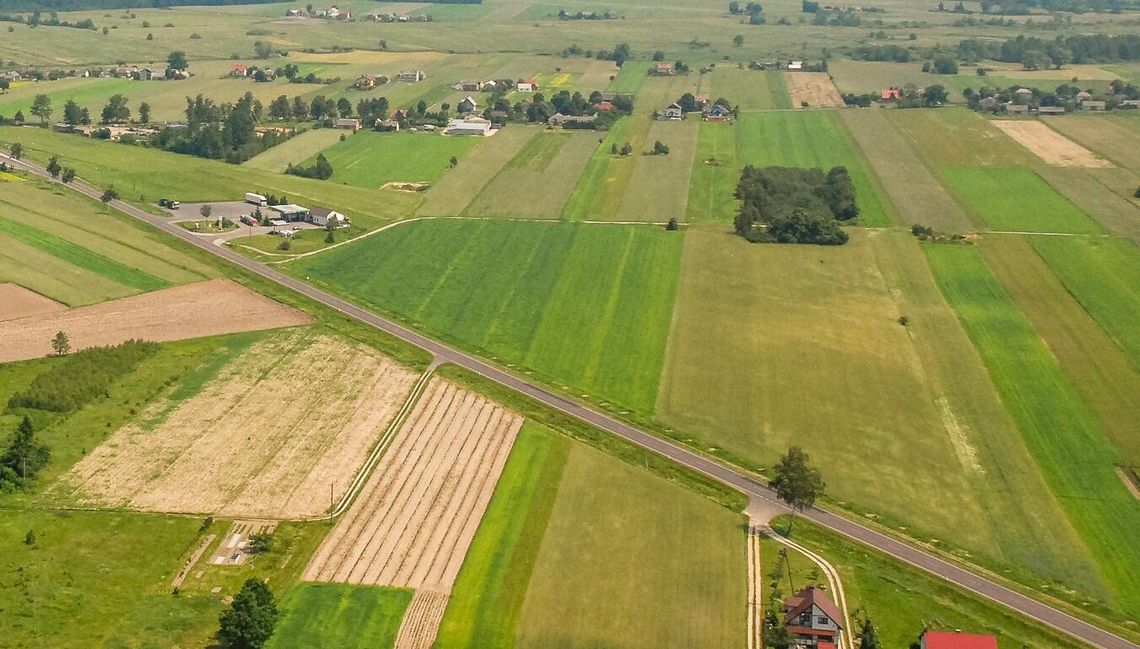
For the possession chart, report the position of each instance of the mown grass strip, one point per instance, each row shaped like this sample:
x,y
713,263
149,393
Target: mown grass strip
x,y
339,615
81,257
1016,199
1064,437
492,584
580,205
716,170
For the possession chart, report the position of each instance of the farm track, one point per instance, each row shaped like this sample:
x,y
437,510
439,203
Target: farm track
x,y
755,624
738,479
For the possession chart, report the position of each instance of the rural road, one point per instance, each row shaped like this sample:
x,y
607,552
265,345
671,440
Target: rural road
x,y
755,489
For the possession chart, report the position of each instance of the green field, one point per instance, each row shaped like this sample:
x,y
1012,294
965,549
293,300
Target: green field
x,y
581,305
630,78
339,615
632,560
716,170
370,159
77,252
1016,199
1110,136
659,186
1063,435
750,89
294,150
539,179
959,137
488,595
457,188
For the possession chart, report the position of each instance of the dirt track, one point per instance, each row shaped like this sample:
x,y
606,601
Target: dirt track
x,y
1049,145
18,302
208,308
412,523
815,88
279,433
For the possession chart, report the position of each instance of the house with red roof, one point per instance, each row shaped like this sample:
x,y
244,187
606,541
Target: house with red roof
x,y
813,620
891,94
956,640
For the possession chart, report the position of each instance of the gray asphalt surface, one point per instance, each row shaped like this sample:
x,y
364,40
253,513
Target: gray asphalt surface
x,y
929,562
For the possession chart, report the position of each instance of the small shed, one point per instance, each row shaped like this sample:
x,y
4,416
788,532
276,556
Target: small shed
x,y
291,212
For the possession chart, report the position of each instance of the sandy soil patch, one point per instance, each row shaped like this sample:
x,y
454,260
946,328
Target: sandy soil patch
x,y
208,308
1049,145
279,433
421,621
18,302
815,88
412,522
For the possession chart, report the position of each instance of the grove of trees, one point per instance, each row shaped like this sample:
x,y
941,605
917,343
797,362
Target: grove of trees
x,y
795,205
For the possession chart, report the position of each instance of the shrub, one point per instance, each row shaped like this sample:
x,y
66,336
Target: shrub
x,y
85,376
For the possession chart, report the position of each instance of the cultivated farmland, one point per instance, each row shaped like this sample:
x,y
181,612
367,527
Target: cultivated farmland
x,y
371,159
296,149
220,306
18,302
812,90
659,186
750,89
350,617
582,305
1016,199
1110,137
1049,145
716,170
457,188
280,433
413,521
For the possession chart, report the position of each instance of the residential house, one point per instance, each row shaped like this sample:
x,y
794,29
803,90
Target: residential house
x,y
402,114
124,72
239,71
1095,106
468,86
673,111
1129,103
795,65
296,13
322,215
469,126
1018,109
349,123
387,125
1083,95
338,14
813,620
365,82
987,103
718,113
956,640
499,117
146,74
467,105
527,85
701,101
411,75
1051,110
890,94
662,69
604,105
558,119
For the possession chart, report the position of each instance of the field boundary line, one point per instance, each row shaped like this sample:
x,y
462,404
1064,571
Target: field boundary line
x,y
192,561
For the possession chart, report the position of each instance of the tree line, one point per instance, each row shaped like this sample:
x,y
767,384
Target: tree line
x,y
789,205
1034,53
81,378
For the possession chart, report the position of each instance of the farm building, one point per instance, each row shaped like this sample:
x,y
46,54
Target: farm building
x,y
1083,95
662,69
890,94
1019,109
527,85
701,101
469,126
987,103
146,74
604,105
813,620
1095,106
295,13
291,212
387,125
239,71
718,113
468,86
467,105
956,640
558,119
322,215
1051,110
673,111
1130,103
795,65
348,123
365,82
411,75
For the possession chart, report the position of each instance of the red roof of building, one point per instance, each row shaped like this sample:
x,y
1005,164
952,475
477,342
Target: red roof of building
x,y
891,93
957,640
825,645
804,599
605,105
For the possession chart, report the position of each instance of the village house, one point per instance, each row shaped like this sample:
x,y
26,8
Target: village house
x,y
467,105
558,119
365,82
1018,109
890,94
124,72
813,620
718,113
1083,95
468,86
701,101
662,69
527,85
239,71
795,65
411,75
673,111
1095,106
604,105
956,640
1051,110
296,13
291,213
322,215
348,123
476,126
387,125
987,103
145,74
1129,103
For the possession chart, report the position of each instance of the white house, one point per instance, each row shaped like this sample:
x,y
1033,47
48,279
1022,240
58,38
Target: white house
x,y
322,215
527,85
673,111
469,126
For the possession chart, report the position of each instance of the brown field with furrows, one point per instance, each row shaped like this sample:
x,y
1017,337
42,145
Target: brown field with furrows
x,y
18,302
279,433
209,308
815,88
421,621
1049,145
412,522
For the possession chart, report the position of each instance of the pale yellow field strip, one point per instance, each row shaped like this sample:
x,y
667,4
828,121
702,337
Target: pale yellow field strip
x,y
1049,145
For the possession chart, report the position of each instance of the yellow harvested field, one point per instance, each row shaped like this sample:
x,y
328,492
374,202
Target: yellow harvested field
x,y
814,88
411,524
421,621
1049,145
208,308
279,432
18,302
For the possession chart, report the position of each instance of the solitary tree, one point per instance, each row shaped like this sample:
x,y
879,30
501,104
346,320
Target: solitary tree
x,y
53,166
738,40
453,162
177,60
41,108
796,482
30,538
331,226
68,175
144,112
672,224
248,622
16,151
72,113
206,210
61,344
660,148
868,638
109,194
24,456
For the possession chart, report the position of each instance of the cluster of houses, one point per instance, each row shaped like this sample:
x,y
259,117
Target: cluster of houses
x,y
709,112
117,72
290,213
1024,102
332,13
491,85
390,17
814,621
370,81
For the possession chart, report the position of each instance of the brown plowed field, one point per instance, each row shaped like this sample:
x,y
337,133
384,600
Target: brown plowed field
x,y
208,308
414,519
815,88
1049,145
18,302
421,620
280,431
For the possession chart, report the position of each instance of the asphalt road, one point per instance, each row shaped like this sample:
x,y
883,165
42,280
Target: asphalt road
x,y
931,563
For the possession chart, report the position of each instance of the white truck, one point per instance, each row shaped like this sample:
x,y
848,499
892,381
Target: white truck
x,y
256,199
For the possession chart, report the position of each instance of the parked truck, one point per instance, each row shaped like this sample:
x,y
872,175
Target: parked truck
x,y
256,199
169,204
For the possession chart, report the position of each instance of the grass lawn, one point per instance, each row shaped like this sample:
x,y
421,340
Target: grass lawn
x,y
298,148
632,75
1066,439
900,600
1104,194
749,89
585,203
914,190
1016,199
539,179
370,159
488,595
98,579
959,137
811,139
458,187
716,170
586,306
339,615
632,560
659,186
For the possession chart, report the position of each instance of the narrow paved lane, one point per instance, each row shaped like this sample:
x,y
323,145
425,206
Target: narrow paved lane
x,y
1022,604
